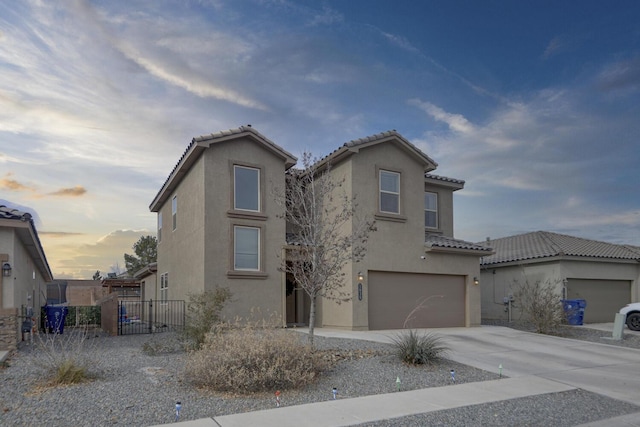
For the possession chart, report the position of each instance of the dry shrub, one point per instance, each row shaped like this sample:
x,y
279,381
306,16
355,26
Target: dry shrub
x,y
251,359
541,306
66,358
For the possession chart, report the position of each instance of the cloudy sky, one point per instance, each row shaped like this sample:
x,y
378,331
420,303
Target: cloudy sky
x,y
536,104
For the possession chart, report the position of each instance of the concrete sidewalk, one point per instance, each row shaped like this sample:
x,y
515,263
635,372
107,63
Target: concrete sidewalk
x,y
346,412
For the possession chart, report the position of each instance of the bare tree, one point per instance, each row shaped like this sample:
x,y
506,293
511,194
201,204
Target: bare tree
x,y
327,231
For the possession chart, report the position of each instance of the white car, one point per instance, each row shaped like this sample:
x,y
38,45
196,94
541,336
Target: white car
x,y
633,315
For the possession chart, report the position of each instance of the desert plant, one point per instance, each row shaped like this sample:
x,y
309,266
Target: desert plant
x,y
540,305
203,312
165,343
65,358
251,359
417,348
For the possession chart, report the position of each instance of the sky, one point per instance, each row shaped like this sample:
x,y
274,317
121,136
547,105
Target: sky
x,y
535,104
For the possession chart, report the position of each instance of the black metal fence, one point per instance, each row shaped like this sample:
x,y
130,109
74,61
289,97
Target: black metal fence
x,y
147,317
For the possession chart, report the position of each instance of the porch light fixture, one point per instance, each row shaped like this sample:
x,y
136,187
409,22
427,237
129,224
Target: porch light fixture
x,y
6,269
360,276
476,281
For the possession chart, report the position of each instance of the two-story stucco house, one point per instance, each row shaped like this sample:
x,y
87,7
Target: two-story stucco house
x,y
218,225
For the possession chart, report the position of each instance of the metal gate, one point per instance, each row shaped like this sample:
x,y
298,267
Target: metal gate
x,y
148,317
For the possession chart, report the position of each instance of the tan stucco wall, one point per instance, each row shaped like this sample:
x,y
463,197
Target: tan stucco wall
x,y
84,292
397,246
265,290
181,251
198,255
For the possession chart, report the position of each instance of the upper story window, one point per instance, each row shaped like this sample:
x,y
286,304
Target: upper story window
x,y
430,210
389,192
246,188
159,227
174,211
246,248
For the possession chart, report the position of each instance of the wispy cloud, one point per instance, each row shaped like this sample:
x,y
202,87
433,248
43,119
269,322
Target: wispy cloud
x,y
401,42
76,191
456,122
327,16
621,75
7,183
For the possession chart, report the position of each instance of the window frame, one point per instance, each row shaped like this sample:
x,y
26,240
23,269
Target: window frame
x,y
258,244
382,191
437,219
258,200
159,226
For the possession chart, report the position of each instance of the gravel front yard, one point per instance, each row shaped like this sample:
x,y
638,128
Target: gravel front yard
x,y
136,389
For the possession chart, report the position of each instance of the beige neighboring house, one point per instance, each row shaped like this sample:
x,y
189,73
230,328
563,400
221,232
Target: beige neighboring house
x,y
605,275
75,292
25,272
218,225
148,283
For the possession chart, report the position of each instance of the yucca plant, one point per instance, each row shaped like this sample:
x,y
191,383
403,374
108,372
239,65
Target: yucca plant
x,y
417,348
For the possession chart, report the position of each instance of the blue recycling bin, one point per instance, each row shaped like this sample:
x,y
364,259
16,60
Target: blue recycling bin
x,y
574,310
56,315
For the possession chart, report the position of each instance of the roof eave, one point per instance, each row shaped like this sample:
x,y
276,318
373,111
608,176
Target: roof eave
x,y
459,251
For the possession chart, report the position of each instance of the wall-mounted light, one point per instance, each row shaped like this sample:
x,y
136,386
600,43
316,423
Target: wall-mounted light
x,y
476,281
360,276
6,269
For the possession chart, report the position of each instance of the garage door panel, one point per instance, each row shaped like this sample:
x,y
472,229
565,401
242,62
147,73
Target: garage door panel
x,y
415,300
604,297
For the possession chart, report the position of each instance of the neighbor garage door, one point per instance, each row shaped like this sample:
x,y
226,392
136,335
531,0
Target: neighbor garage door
x,y
604,297
426,300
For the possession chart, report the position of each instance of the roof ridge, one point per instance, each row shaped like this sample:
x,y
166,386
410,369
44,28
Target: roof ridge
x,y
547,236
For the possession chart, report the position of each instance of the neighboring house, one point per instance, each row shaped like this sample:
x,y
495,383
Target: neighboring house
x,y
606,275
218,225
75,292
25,272
148,283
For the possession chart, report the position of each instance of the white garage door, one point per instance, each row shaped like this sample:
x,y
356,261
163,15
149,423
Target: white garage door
x,y
604,297
398,300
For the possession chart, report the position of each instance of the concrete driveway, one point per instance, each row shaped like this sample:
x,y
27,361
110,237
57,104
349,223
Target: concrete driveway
x,y
605,369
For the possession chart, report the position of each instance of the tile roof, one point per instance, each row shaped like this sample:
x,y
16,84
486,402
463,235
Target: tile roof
x,y
243,129
30,238
439,241
444,178
351,146
9,213
193,150
545,244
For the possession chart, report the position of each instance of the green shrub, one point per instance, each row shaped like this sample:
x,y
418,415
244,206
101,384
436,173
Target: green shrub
x,y
252,360
203,313
417,348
